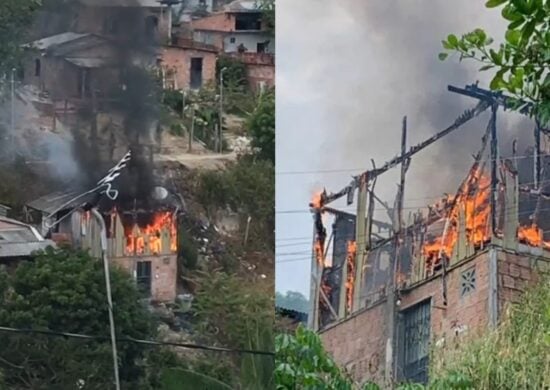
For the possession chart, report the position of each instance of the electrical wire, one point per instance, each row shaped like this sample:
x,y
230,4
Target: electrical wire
x,y
343,170
133,340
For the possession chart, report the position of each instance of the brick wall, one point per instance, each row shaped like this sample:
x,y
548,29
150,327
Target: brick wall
x,y
218,22
467,312
516,272
358,344
163,272
177,60
258,74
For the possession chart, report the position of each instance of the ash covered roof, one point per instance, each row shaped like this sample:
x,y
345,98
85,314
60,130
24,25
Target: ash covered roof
x,y
51,202
89,62
55,40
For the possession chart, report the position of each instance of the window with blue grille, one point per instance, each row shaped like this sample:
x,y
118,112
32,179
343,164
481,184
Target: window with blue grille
x,y
414,343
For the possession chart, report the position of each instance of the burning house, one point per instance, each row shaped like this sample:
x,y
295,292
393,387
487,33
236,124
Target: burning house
x,y
141,235
393,289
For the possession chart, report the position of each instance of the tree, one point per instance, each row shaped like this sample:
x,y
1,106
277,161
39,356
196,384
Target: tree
x,y
292,300
15,18
522,61
261,126
236,313
64,290
268,15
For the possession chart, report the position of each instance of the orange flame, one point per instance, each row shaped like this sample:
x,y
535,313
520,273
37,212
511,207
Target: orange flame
x,y
473,201
350,281
317,200
530,234
319,253
152,235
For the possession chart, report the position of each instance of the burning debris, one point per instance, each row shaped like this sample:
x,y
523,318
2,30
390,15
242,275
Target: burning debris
x,y
500,203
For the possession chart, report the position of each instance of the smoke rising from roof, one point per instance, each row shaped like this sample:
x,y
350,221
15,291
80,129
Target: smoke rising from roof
x,y
371,62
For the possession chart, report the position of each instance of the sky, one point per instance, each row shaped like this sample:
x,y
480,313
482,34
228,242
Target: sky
x,y
347,72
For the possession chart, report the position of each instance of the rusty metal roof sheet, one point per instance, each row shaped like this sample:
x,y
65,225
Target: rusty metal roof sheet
x,y
23,249
51,202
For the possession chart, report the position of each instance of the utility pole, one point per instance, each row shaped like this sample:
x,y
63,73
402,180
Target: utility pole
x,y
221,110
192,130
12,123
101,222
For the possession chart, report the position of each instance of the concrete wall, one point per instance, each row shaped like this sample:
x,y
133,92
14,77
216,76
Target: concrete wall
x,y
176,62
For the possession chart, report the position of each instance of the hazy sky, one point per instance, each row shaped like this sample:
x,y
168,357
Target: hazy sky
x,y
347,72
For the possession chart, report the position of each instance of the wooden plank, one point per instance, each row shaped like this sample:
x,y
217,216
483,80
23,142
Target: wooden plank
x,y
120,237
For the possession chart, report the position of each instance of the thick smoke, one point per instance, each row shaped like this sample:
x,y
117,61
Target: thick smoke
x,y
86,145
371,62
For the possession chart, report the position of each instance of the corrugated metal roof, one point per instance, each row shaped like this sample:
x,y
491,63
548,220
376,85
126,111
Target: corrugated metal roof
x,y
242,6
23,249
87,62
51,202
55,40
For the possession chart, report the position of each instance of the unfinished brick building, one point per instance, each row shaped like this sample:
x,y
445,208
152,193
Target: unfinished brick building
x,y
392,290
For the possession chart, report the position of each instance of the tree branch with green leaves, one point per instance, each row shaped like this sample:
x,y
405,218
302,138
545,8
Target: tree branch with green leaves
x,y
522,62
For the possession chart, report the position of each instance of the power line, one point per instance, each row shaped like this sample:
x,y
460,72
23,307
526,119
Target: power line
x,y
343,170
133,340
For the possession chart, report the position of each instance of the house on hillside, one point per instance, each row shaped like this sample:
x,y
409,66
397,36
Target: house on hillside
x,y
239,28
149,20
142,242
290,318
186,64
18,241
72,66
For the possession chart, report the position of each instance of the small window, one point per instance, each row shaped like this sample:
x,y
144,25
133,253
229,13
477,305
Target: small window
x,y
232,40
467,281
143,276
261,47
37,67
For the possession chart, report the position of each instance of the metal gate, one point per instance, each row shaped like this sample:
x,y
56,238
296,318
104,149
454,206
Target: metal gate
x,y
414,345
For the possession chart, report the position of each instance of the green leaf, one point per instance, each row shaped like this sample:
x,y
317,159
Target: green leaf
x,y
496,57
494,3
515,24
443,56
510,13
513,37
486,67
527,31
453,41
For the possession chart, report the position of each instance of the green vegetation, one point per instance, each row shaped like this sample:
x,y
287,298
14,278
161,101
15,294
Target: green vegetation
x,y
247,187
513,356
64,290
261,126
301,363
268,10
15,17
521,61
